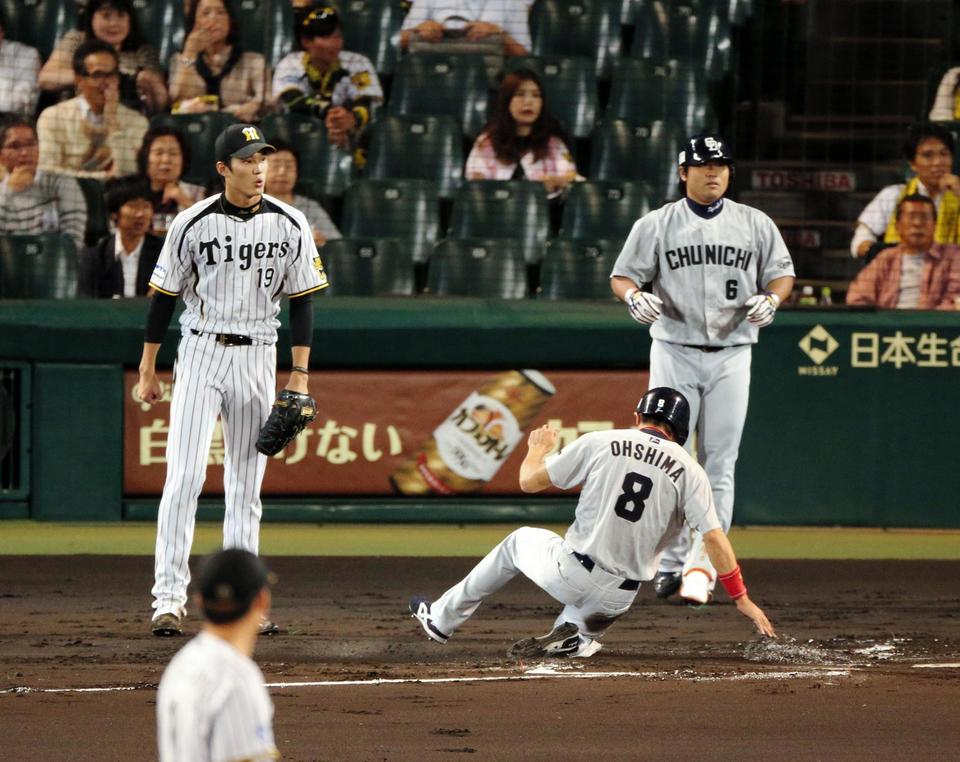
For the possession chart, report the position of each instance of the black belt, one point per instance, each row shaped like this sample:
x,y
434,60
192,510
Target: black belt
x,y
587,563
703,347
226,339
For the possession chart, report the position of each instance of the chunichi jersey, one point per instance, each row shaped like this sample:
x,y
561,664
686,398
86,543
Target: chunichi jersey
x,y
704,269
638,490
232,271
212,705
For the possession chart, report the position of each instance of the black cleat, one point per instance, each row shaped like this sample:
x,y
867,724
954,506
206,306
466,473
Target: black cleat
x,y
666,584
166,626
563,640
268,627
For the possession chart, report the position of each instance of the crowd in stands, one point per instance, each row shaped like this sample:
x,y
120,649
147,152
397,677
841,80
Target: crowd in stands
x,y
122,132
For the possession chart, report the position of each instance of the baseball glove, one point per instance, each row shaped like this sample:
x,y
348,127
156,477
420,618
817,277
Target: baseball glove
x,y
292,412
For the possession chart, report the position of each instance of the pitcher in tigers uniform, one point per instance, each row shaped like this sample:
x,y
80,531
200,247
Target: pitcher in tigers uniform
x,y
640,487
231,257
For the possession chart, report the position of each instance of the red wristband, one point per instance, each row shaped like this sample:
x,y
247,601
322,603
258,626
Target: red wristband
x,y
733,583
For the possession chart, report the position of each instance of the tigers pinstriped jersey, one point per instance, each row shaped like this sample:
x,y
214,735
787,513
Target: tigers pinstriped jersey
x,y
704,269
638,490
232,271
212,706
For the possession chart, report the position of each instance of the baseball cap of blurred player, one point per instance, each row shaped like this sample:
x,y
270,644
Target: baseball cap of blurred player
x,y
321,21
228,582
240,141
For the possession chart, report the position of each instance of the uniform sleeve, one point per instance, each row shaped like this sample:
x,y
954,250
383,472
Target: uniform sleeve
x,y
173,265
240,730
876,215
696,500
305,272
639,257
943,104
775,257
288,76
569,467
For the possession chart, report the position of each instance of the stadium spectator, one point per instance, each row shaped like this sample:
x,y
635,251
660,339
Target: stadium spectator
x,y
929,149
327,81
212,72
283,169
522,141
121,263
916,273
946,103
142,84
19,65
93,134
33,201
432,20
163,158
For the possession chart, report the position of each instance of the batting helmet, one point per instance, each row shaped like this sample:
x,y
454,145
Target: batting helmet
x,y
704,148
669,406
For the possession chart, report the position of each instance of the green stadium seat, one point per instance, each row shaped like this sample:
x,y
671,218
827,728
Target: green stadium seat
x,y
38,267
604,209
622,152
368,26
408,210
161,23
39,23
578,28
570,88
578,269
368,267
266,26
201,132
492,268
325,170
97,219
436,84
509,209
642,97
417,148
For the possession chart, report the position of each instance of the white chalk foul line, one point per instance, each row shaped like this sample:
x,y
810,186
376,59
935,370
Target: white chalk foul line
x,y
535,673
947,665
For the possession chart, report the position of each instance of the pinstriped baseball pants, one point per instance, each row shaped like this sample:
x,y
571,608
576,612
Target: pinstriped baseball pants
x,y
238,384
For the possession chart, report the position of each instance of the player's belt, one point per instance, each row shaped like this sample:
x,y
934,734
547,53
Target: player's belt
x,y
703,347
226,339
588,563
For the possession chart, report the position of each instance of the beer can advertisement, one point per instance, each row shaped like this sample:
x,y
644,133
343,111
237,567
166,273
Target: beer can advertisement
x,y
417,433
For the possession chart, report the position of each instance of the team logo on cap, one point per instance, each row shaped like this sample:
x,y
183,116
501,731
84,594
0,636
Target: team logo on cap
x,y
250,133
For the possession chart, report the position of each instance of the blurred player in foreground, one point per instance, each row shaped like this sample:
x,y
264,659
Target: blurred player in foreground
x,y
640,489
212,703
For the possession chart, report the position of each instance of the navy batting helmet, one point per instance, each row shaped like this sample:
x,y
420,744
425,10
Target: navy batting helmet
x,y
669,406
704,148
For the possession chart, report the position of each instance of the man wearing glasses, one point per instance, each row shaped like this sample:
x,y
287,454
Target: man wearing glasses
x,y
93,134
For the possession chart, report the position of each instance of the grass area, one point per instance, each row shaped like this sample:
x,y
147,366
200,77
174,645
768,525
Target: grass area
x,y
40,538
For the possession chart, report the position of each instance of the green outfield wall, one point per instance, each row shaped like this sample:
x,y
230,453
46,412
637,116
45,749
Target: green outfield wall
x,y
853,415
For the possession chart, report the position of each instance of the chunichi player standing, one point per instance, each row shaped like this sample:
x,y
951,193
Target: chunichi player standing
x,y
718,271
640,490
231,257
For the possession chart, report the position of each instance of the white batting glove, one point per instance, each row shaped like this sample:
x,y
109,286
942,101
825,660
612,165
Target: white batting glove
x,y
763,307
644,307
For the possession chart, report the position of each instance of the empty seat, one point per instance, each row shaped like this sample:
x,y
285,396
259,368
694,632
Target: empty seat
x,y
437,84
642,96
201,132
515,209
39,23
650,31
578,269
368,267
161,23
570,88
38,267
368,26
404,209
266,26
492,268
417,148
97,222
604,209
621,152
325,170
578,28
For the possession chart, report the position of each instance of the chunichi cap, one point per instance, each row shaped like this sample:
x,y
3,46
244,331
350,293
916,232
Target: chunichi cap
x,y
702,149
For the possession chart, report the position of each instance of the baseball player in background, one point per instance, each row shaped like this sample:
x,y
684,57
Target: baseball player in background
x,y
212,704
718,271
640,488
231,256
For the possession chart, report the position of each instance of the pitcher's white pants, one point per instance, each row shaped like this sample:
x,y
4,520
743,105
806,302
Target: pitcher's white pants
x,y
717,386
592,600
239,385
